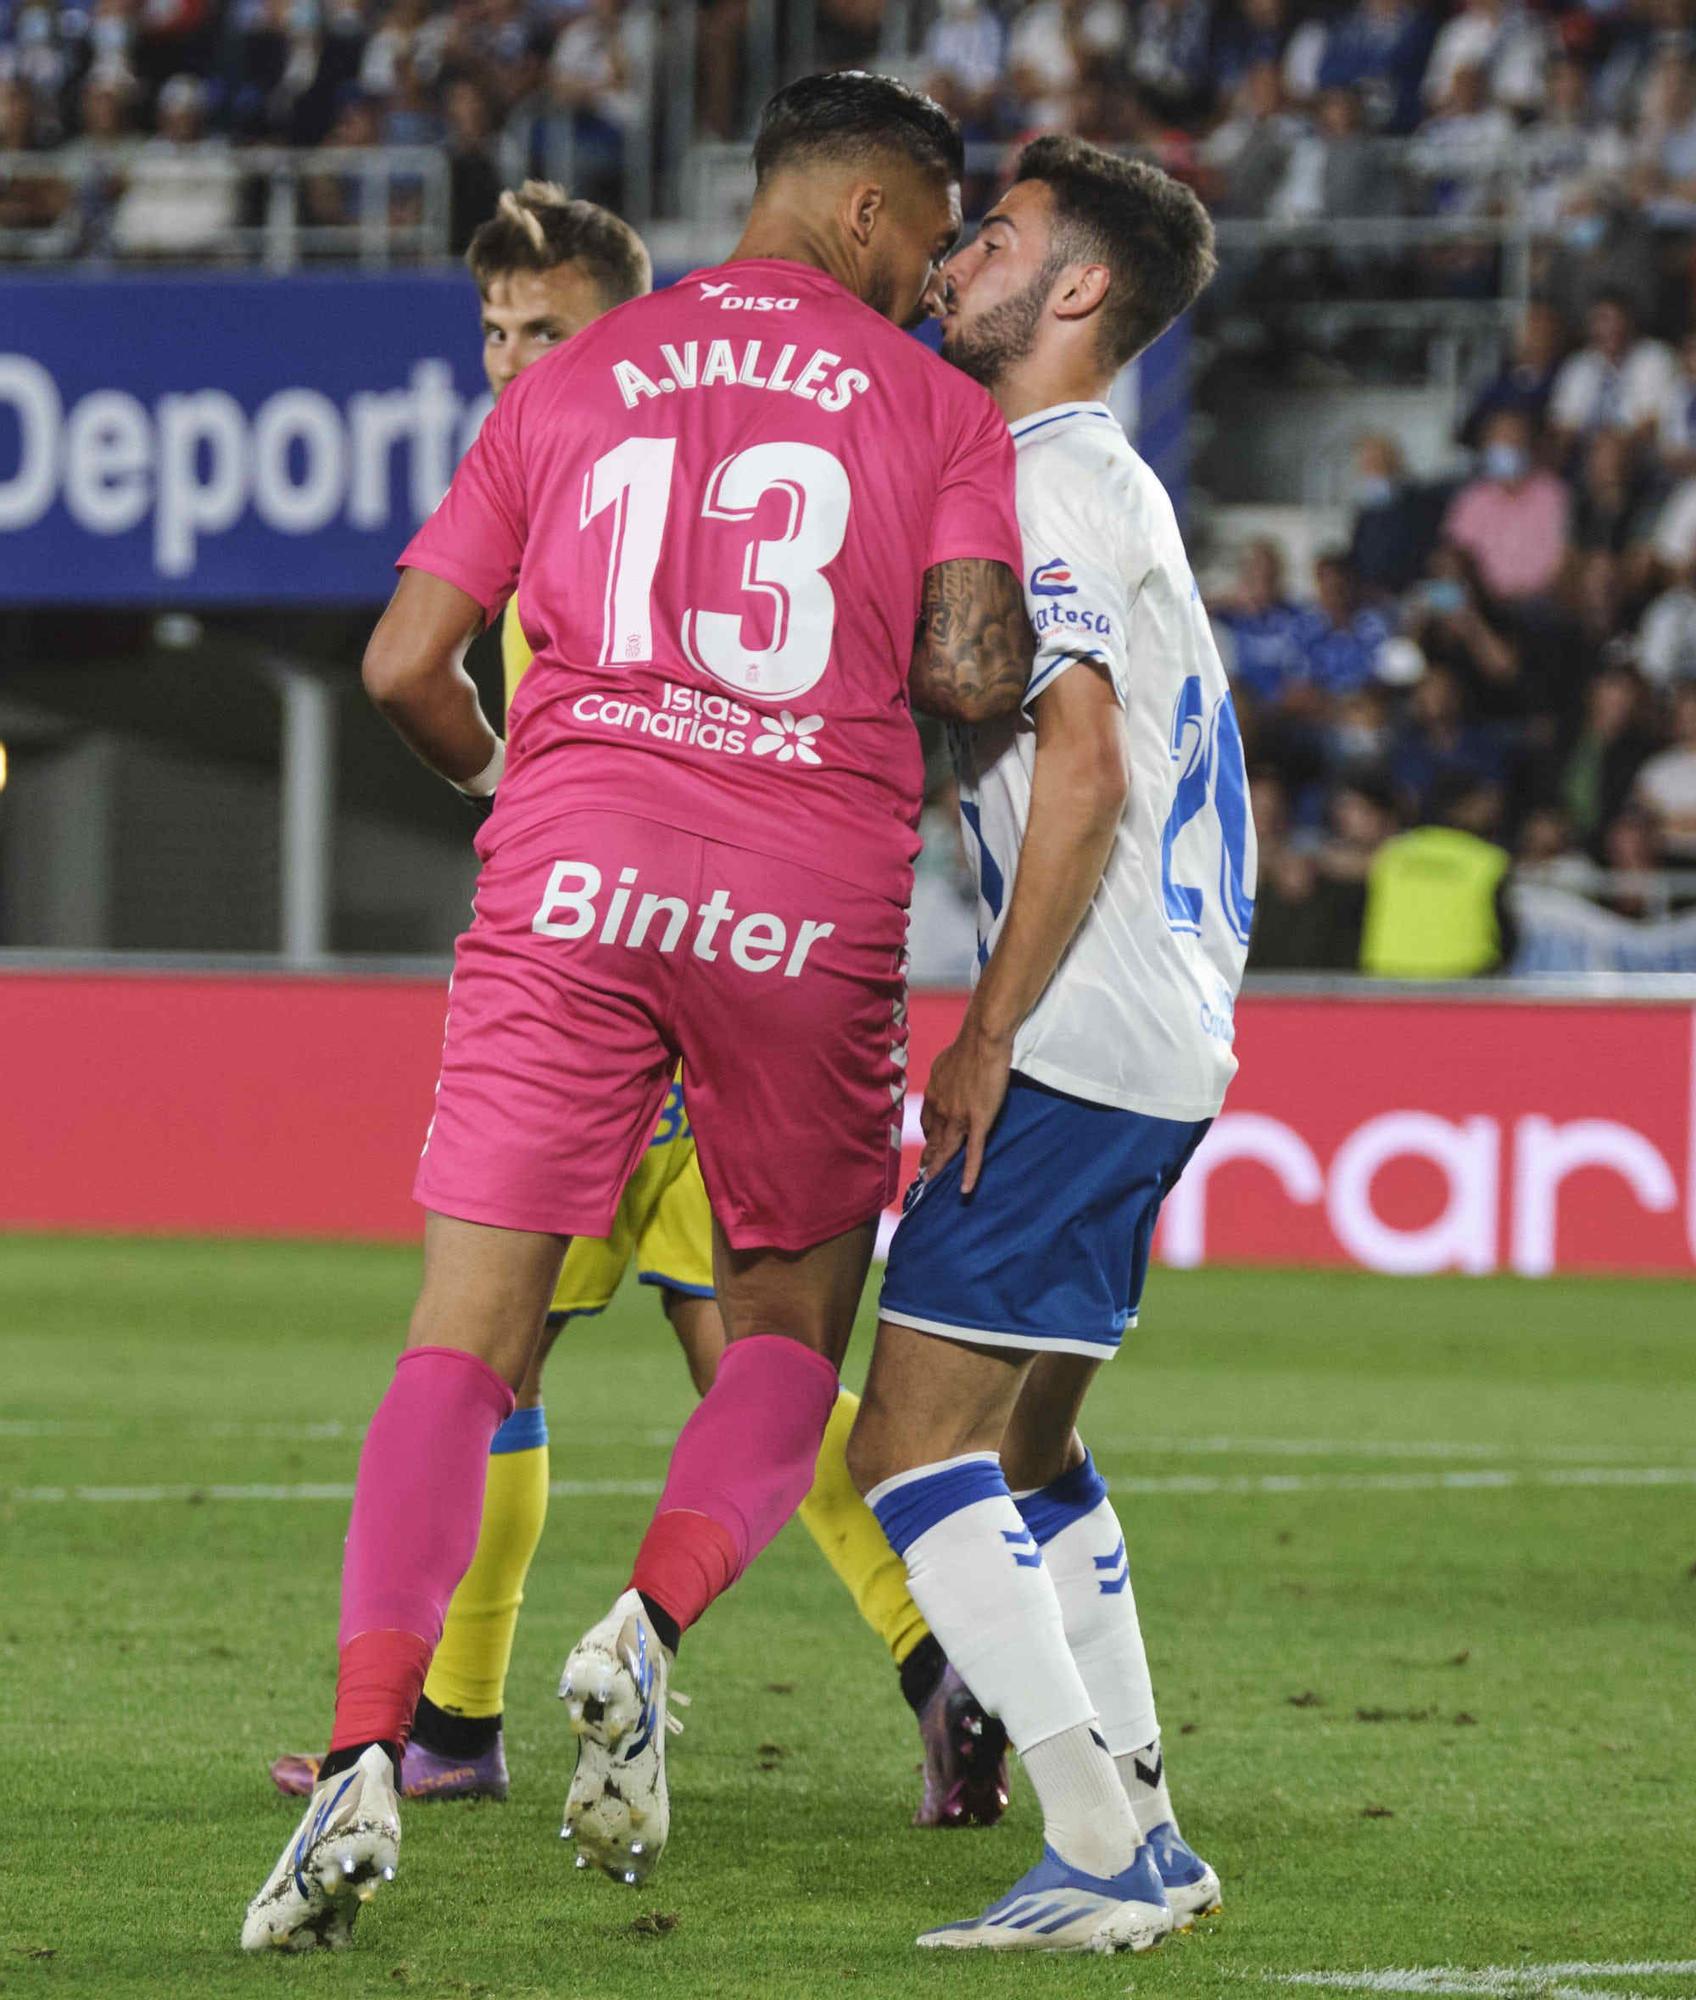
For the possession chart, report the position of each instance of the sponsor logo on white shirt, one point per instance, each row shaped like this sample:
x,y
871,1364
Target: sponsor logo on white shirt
x,y
1053,579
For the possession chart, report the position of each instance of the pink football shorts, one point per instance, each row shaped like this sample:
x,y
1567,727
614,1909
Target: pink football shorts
x,y
603,949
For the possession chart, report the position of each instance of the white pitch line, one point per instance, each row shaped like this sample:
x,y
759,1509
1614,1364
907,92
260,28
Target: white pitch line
x,y
1499,1982
1273,1447
1106,1444
1492,1479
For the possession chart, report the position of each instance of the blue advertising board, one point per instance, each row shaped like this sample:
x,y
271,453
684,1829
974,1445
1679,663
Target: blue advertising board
x,y
221,438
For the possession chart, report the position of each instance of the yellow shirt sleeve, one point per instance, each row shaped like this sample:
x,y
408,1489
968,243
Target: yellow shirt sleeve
x,y
516,653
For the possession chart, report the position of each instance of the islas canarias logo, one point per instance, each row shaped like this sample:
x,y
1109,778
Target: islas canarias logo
x,y
1053,579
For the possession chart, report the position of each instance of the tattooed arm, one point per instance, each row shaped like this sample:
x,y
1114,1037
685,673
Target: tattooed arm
x,y
972,650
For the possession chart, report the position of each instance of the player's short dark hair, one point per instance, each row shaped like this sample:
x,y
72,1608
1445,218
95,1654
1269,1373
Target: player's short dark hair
x,y
849,114
540,226
1150,231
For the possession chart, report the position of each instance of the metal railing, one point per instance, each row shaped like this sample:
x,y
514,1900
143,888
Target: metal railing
x,y
392,203
374,205
1652,893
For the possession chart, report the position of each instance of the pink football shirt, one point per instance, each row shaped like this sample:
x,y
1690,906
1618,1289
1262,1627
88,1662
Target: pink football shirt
x,y
717,505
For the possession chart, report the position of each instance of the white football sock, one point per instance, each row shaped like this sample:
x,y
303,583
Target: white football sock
x,y
976,1573
1081,1539
1142,1772
1086,1817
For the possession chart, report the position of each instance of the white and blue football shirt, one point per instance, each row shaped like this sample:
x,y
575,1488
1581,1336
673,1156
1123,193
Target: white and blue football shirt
x,y
1139,1013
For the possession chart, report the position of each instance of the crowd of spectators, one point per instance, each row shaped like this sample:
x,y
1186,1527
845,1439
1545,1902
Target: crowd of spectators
x,y
1580,113
127,119
1515,648
1524,636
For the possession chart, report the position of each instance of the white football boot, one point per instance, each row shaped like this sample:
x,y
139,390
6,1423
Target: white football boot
x,y
344,1849
1056,1907
614,1687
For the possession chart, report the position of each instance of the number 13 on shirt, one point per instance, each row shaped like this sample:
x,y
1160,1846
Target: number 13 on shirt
x,y
633,482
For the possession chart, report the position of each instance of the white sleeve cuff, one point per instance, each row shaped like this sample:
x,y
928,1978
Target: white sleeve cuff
x,y
482,786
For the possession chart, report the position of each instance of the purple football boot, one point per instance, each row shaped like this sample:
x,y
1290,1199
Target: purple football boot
x,y
965,1758
424,1774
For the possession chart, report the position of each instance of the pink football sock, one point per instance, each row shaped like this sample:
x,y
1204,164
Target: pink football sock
x,y
741,1466
417,1507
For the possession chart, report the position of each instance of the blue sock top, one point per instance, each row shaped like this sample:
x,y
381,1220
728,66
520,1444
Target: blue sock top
x,y
1053,1508
908,1507
524,1430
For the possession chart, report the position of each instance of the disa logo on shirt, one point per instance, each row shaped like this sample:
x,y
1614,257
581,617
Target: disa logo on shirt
x,y
1053,579
728,300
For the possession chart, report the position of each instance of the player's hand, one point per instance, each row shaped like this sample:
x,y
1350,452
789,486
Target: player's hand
x,y
967,1088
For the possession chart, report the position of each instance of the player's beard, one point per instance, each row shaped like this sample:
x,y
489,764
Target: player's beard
x,y
998,339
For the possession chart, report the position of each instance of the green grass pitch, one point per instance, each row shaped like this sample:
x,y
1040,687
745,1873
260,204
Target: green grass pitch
x,y
1414,1559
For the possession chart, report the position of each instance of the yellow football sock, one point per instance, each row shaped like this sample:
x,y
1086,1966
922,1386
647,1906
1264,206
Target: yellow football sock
x,y
853,1543
468,1674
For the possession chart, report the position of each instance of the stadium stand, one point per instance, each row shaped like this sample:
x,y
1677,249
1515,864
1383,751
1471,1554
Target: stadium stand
x,y
1444,390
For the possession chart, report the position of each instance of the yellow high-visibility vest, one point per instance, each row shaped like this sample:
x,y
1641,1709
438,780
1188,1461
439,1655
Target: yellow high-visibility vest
x,y
1431,906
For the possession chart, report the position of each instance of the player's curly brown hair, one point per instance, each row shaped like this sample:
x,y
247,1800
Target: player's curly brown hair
x,y
540,226
1150,231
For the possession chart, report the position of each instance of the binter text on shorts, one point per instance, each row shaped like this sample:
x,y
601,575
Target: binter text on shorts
x,y
760,942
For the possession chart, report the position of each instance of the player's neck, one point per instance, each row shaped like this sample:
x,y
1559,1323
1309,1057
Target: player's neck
x,y
1042,383
775,230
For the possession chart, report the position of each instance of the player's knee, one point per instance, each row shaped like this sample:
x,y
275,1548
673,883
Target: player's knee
x,y
501,1343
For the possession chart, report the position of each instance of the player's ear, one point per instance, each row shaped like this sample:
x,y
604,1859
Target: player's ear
x,y
1080,289
864,203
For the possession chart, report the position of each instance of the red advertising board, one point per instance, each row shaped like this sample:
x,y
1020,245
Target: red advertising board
x,y
1405,1135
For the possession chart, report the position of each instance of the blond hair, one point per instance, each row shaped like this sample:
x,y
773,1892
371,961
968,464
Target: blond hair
x,y
540,226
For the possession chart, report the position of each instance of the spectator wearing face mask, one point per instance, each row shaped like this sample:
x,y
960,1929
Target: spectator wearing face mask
x,y
1455,628
1512,519
1618,381
1603,245
1397,520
